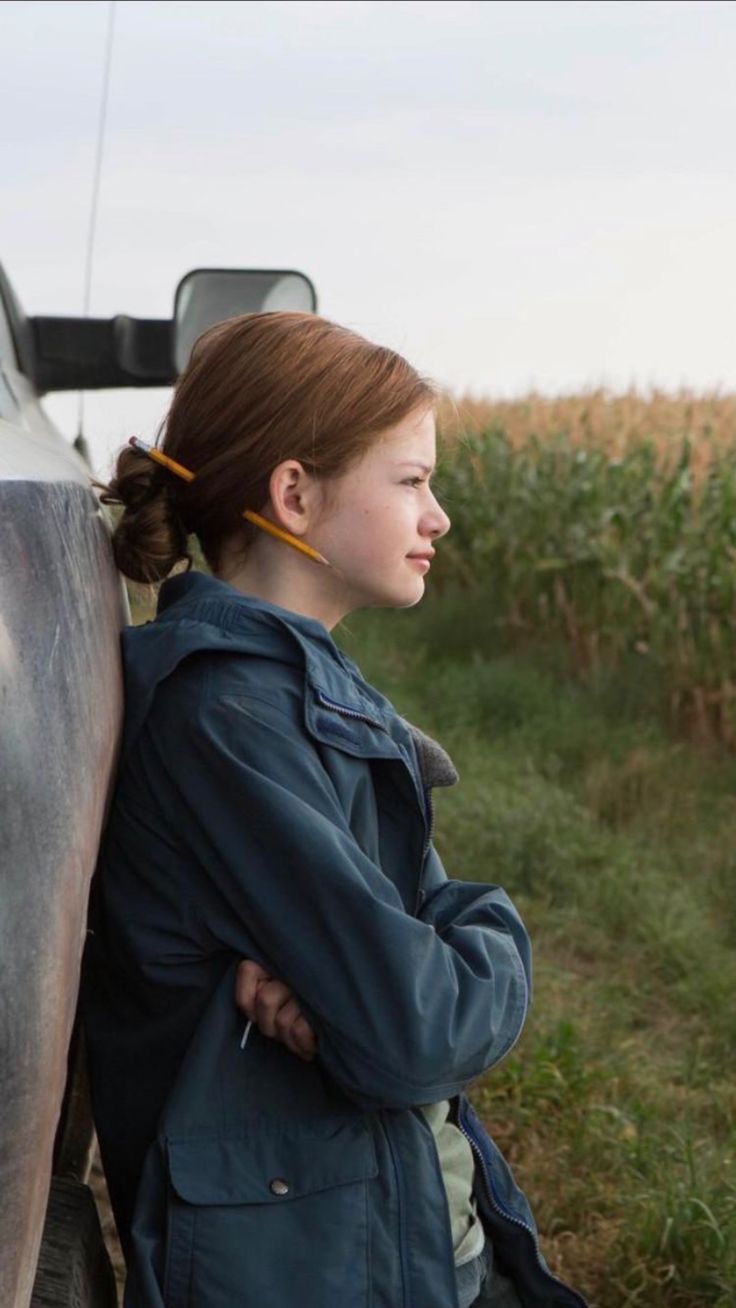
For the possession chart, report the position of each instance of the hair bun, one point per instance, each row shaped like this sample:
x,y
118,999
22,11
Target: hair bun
x,y
149,537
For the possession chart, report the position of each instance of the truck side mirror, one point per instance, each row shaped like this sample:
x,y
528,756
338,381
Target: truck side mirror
x,y
209,295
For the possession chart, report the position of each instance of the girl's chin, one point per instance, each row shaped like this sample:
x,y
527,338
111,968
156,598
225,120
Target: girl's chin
x,y
402,595
406,596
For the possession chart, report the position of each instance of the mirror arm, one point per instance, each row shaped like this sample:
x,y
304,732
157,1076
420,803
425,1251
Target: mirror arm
x,y
71,354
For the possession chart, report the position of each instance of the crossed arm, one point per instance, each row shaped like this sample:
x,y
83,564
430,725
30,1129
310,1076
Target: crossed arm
x,y
403,1008
271,1005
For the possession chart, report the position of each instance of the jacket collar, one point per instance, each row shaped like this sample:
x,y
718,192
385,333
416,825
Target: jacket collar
x,y
257,626
197,612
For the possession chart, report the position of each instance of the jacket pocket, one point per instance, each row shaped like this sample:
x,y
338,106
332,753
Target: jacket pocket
x,y
270,1216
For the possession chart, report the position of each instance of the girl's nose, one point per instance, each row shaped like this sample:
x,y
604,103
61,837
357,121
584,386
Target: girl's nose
x,y
437,522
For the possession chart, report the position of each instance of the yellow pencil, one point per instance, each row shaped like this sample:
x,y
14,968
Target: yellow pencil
x,y
180,471
280,534
159,457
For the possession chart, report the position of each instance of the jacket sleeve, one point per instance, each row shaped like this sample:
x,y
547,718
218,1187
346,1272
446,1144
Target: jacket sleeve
x,y
406,1010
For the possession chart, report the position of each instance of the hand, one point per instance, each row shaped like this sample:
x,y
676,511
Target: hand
x,y
271,1006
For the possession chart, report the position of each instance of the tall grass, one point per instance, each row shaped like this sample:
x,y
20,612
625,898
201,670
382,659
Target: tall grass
x,y
601,420
630,557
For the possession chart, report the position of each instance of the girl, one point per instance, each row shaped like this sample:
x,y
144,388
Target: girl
x,y
295,1127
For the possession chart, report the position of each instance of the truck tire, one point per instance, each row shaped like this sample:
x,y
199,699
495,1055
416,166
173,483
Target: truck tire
x,y
74,1268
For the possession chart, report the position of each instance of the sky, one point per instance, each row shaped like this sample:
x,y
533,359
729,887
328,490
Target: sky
x,y
522,195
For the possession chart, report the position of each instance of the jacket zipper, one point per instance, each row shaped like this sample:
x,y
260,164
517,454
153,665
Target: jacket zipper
x,y
429,809
400,1206
511,1217
347,712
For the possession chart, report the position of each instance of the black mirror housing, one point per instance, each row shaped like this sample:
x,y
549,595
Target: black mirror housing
x,y
88,354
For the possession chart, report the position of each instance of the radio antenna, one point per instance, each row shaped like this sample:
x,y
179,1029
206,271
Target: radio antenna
x,y
80,443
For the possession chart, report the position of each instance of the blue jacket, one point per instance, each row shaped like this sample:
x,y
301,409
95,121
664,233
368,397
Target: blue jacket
x,y
272,805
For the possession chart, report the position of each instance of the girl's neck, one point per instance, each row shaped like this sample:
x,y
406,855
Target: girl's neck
x,y
298,584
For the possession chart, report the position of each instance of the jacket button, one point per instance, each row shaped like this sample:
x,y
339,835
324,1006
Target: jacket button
x,y
278,1186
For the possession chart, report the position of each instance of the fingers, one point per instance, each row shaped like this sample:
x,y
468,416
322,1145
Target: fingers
x,y
270,1003
248,978
304,1039
270,997
294,1031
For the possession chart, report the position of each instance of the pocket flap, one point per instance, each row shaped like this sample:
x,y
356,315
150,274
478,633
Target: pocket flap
x,y
266,1167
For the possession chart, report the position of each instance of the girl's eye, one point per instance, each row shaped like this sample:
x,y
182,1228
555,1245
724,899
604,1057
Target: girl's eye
x,y
414,481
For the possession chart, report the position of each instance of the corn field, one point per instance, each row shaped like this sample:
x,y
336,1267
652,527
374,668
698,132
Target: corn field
x,y
609,522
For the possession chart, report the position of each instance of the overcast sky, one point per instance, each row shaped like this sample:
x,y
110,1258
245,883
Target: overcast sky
x,y
514,195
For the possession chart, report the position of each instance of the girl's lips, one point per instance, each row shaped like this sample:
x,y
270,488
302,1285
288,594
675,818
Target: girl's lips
x,y
423,563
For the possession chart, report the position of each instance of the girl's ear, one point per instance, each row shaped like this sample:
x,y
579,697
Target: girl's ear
x,y
295,497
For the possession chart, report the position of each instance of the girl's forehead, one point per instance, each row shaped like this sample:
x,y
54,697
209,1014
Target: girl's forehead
x,y
412,439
